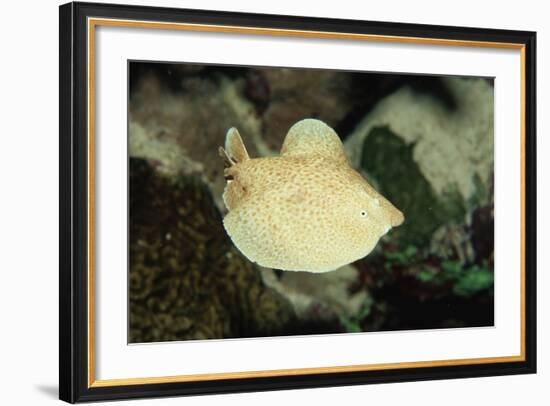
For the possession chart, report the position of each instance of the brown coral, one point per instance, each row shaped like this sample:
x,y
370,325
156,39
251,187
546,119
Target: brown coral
x,y
186,279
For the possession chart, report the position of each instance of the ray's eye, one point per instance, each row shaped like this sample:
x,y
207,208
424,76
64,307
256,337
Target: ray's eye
x,y
363,214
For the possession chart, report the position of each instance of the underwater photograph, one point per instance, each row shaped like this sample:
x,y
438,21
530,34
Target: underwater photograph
x,y
274,201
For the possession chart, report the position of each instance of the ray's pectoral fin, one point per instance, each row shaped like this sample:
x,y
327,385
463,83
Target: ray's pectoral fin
x,y
313,137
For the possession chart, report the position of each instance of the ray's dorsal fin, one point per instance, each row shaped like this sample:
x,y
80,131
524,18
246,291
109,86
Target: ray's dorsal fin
x,y
313,137
234,146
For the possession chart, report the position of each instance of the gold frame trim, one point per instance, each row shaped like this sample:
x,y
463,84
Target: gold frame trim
x,y
94,22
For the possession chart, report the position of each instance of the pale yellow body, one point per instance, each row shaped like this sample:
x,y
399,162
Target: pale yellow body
x,y
306,210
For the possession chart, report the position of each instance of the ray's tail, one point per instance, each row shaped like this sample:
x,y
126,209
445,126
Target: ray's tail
x,y
235,151
233,154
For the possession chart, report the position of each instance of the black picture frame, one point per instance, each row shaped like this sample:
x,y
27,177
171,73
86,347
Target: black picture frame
x,y
74,385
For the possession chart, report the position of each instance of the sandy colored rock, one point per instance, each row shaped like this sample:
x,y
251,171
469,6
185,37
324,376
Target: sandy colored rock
x,y
320,296
451,146
180,131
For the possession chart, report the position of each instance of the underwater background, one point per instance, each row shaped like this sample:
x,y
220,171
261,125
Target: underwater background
x,y
425,142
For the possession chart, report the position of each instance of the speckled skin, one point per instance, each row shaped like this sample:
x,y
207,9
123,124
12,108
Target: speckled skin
x,y
306,210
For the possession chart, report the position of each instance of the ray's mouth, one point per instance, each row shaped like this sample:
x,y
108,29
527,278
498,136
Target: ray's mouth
x,y
396,219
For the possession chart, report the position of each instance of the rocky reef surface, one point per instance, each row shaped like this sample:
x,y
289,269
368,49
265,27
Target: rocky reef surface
x,y
425,142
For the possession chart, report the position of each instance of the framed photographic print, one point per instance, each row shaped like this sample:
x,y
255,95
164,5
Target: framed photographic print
x,y
256,202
